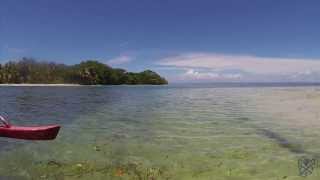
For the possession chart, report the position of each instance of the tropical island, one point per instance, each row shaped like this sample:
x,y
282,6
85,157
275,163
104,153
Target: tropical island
x,y
90,72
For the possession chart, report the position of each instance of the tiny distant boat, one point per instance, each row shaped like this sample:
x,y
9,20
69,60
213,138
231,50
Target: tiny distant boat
x,y
28,133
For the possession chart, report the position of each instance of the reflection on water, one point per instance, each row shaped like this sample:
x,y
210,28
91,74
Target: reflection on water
x,y
162,132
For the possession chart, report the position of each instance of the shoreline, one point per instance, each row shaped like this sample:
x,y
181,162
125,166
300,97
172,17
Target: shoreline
x,y
40,84
71,85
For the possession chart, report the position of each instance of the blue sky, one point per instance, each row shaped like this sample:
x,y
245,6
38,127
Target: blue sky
x,y
227,40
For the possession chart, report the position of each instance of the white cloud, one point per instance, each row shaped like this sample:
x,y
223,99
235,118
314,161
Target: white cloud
x,y
233,76
200,75
123,59
245,63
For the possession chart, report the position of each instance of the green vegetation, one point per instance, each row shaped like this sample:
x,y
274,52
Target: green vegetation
x,y
28,70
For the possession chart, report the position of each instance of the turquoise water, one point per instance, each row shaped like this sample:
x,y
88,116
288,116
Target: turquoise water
x,y
163,132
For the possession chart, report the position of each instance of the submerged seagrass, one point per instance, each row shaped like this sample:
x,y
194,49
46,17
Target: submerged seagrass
x,y
163,132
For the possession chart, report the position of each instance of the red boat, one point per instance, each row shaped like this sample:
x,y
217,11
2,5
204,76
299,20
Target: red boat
x,y
29,133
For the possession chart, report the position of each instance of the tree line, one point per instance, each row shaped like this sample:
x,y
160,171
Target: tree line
x,y
90,72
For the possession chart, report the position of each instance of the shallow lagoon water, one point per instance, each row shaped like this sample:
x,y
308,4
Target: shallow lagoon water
x,y
163,132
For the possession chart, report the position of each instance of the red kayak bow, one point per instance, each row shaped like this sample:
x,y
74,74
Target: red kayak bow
x,y
29,133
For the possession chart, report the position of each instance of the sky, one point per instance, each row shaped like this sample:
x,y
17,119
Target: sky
x,y
182,40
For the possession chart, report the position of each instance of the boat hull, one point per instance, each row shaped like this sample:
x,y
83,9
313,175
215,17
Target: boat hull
x,y
30,133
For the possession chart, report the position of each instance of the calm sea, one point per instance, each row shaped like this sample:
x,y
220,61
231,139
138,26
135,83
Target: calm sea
x,y
180,131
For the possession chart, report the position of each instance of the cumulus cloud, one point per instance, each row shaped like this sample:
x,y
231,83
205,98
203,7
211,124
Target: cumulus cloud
x,y
245,63
123,59
200,75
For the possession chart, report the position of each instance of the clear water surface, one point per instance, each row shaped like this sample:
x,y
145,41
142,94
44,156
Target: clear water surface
x,y
213,131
